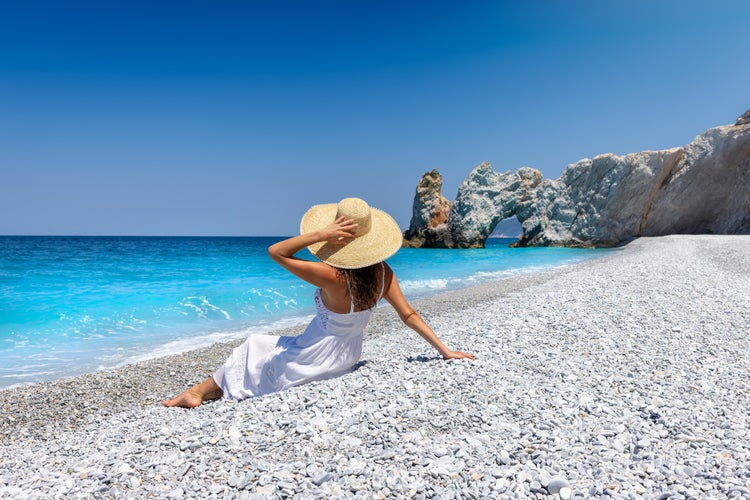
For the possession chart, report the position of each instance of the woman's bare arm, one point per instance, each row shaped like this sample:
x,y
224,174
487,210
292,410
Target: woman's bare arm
x,y
413,320
319,274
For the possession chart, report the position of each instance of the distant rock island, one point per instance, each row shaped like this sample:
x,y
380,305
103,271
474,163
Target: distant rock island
x,y
702,188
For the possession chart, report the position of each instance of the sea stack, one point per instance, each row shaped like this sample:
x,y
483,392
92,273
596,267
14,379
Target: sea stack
x,y
428,227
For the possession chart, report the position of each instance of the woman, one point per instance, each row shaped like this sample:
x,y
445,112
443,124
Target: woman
x,y
352,242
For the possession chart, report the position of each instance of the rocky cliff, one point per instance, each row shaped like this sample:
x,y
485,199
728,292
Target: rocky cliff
x,y
703,187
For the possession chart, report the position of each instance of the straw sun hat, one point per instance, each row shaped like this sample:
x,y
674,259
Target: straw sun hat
x,y
377,236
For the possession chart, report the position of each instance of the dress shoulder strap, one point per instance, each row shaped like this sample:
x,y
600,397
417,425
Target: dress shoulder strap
x,y
351,297
382,280
382,287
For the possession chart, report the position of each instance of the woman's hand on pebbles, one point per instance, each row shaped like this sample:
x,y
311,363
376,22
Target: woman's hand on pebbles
x,y
458,355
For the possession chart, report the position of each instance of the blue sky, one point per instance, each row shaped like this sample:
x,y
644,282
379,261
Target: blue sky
x,y
233,117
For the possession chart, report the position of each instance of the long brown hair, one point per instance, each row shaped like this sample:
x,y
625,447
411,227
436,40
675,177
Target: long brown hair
x,y
364,284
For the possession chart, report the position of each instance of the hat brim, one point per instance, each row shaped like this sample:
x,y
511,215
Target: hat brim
x,y
382,241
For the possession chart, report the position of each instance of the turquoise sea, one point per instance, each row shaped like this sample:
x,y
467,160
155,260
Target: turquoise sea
x,y
72,305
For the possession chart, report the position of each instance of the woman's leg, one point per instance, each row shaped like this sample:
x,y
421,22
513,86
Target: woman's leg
x,y
193,397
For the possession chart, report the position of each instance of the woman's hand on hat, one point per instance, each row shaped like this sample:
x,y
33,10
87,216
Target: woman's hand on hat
x,y
339,232
458,355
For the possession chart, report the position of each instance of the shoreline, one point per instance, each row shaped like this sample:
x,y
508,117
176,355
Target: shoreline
x,y
624,374
105,332
175,372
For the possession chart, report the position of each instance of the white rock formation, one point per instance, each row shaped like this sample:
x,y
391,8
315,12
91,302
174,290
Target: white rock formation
x,y
485,198
701,188
606,201
596,202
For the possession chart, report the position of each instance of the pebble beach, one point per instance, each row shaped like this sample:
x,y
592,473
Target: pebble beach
x,y
624,377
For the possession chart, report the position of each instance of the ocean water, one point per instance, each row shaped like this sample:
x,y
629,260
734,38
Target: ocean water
x,y
73,305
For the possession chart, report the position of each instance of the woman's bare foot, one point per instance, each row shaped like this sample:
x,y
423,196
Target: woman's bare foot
x,y
196,395
188,399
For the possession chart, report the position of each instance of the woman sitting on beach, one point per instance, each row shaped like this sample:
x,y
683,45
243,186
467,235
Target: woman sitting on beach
x,y
352,242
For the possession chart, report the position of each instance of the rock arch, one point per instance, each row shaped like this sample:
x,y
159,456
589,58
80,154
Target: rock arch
x,y
484,199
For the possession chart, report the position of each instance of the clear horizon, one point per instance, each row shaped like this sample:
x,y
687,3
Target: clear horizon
x,y
183,119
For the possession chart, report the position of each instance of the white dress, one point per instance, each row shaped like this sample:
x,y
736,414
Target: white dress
x,y
330,346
